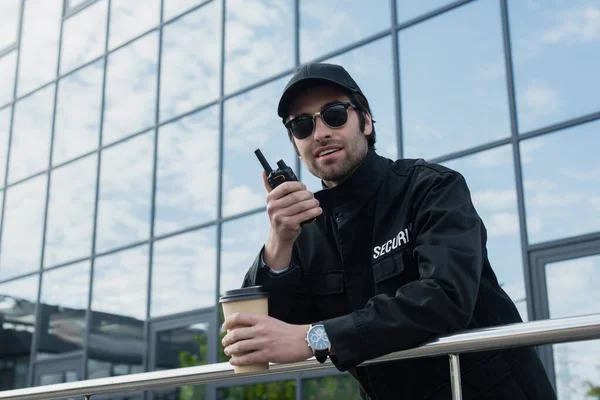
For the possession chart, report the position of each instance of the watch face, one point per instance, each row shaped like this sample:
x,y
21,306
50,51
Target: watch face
x,y
317,338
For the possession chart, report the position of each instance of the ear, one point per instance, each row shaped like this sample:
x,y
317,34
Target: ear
x,y
368,124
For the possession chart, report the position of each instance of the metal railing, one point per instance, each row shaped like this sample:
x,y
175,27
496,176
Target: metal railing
x,y
515,335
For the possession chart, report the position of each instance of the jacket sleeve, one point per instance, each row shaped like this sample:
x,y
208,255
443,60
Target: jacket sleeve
x,y
289,298
449,247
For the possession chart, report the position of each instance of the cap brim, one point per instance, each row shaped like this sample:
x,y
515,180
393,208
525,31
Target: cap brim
x,y
290,94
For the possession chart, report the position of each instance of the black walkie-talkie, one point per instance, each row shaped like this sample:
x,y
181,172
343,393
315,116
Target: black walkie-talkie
x,y
283,173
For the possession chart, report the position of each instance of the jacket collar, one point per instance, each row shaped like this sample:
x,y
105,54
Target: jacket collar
x,y
357,188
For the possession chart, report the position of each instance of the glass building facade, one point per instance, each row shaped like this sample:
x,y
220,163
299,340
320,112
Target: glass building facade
x,y
130,196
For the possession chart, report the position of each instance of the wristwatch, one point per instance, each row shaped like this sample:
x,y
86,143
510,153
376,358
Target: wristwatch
x,y
317,340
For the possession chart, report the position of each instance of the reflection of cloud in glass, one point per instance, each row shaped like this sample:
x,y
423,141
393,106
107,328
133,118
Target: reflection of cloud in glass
x,y
184,272
326,26
131,88
131,18
120,282
125,192
559,197
539,99
30,144
4,131
71,212
187,171
407,10
453,94
259,40
172,8
9,21
371,67
242,240
67,286
8,65
251,122
22,227
77,124
575,25
189,77
84,36
39,43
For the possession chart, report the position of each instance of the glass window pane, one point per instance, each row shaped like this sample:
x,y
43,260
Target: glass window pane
x,y
71,212
284,390
172,8
259,41
573,290
329,25
555,57
343,387
17,321
131,89
84,36
22,227
4,134
409,9
184,272
561,199
75,3
63,303
78,114
251,122
491,179
241,242
372,68
187,172
125,193
39,43
32,130
190,78
117,333
129,19
8,65
454,94
9,22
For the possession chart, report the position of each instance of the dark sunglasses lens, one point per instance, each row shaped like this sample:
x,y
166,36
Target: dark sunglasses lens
x,y
335,116
302,127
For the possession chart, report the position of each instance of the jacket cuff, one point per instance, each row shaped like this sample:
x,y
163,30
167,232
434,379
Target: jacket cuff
x,y
346,341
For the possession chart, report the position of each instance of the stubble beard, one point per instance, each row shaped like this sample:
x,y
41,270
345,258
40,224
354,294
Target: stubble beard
x,y
337,172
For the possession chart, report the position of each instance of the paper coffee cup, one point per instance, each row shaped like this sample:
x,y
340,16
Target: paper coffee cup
x,y
251,300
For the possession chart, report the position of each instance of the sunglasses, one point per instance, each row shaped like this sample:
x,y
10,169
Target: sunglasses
x,y
334,116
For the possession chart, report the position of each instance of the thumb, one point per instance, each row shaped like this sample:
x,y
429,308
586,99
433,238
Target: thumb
x,y
266,182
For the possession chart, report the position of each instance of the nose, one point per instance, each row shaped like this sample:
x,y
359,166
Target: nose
x,y
322,131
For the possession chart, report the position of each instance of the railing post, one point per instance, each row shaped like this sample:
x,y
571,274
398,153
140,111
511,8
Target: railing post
x,y
455,377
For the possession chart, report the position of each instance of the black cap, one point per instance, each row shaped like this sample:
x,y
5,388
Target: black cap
x,y
311,75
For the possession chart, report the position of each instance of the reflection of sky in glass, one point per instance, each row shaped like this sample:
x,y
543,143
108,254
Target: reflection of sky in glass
x,y
187,172
454,93
8,65
573,290
556,57
120,282
561,176
32,129
172,8
371,67
259,40
39,43
184,272
84,36
22,227
409,9
125,192
241,242
251,122
78,105
189,77
491,179
326,26
71,212
131,89
129,19
9,21
67,289
4,132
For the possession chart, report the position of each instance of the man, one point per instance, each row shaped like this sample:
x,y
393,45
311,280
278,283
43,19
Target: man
x,y
397,255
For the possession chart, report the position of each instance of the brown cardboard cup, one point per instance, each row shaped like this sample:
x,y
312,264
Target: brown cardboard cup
x,y
251,300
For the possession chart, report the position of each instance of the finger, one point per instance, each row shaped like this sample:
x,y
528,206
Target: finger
x,y
243,346
243,319
285,188
237,334
249,358
297,208
266,182
289,200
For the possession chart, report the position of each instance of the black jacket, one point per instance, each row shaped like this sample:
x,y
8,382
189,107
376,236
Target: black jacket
x,y
398,257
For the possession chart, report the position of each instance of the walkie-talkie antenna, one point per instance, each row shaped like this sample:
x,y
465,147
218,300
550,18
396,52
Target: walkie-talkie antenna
x,y
263,161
